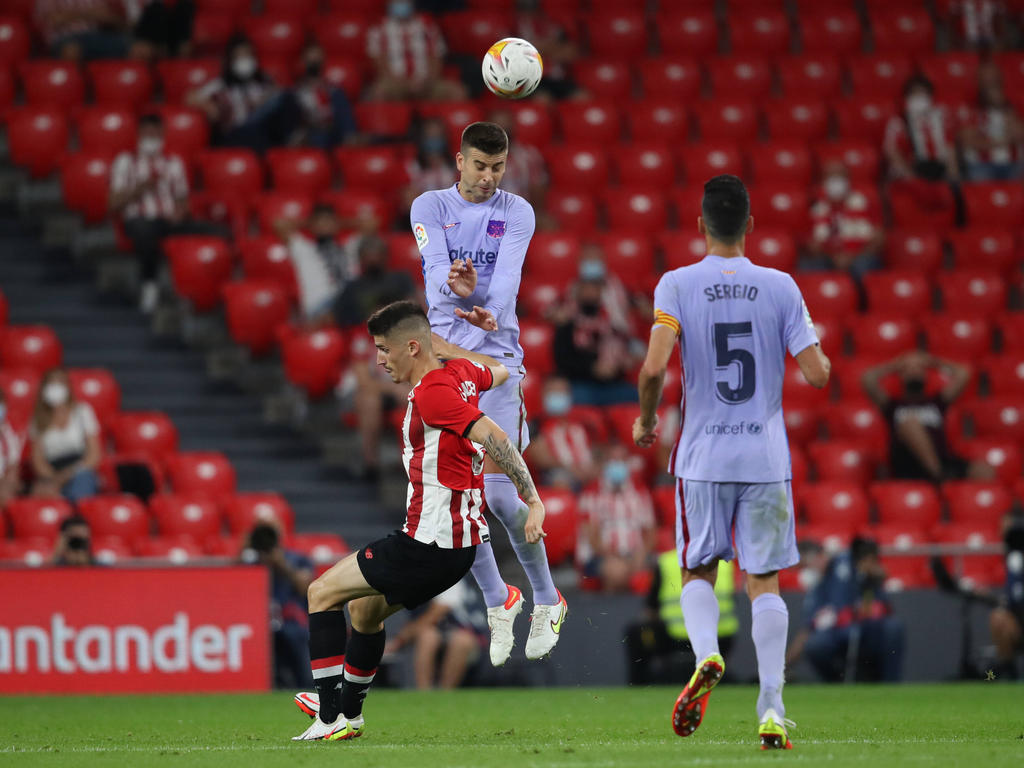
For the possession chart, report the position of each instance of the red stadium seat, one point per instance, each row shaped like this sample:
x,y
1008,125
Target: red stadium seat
x,y
701,161
847,373
125,473
907,30
859,420
199,268
383,119
370,167
234,171
30,347
996,417
1004,456
360,204
658,118
539,296
1005,374
575,212
629,254
85,182
186,131
1011,65
692,31
846,460
974,291
98,388
898,292
785,161
30,553
272,207
796,390
52,83
740,76
303,8
801,423
148,432
859,157
828,294
762,31
974,534
254,309
244,510
201,472
267,258
344,73
617,34
229,210
774,248
312,360
958,336
1011,328
636,207
118,515
800,468
994,204
176,550
537,340
913,249
835,31
294,169
107,129
472,32
345,31
680,248
560,524
830,332
810,76
19,387
797,119
646,163
533,123
179,77
609,78
785,205
275,35
864,118
883,334
880,75
37,518
456,115
834,537
974,502
835,502
578,167
953,73
906,503
598,121
15,39
983,248
556,255
670,76
7,90
121,82
324,549
211,31
728,119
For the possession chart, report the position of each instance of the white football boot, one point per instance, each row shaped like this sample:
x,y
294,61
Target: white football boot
x,y
545,626
501,619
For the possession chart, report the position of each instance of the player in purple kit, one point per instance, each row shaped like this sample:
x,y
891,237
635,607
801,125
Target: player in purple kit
x,y
473,239
734,322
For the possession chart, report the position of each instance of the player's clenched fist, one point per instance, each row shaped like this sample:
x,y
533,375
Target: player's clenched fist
x,y
645,436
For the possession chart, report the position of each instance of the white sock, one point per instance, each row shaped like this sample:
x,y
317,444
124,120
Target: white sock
x,y
769,627
700,612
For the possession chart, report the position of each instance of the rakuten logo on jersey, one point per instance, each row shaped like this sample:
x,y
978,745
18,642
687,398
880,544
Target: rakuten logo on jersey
x,y
478,257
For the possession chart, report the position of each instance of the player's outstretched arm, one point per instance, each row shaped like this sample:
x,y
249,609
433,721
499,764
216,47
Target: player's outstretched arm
x,y
651,383
448,351
501,451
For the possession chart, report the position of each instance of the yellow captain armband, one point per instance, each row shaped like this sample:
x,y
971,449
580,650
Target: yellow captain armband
x,y
664,318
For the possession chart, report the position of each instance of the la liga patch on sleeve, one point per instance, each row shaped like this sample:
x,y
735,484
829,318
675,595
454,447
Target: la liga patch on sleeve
x,y
421,235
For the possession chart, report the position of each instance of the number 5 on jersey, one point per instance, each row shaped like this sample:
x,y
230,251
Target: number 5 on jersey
x,y
727,355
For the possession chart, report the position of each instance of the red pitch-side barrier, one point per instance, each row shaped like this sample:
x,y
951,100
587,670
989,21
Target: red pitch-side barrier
x,y
100,630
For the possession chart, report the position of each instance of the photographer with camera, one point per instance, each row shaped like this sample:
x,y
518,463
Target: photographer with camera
x,y
290,576
74,544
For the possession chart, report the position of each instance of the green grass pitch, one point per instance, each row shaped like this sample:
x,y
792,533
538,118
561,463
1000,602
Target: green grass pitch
x,y
975,724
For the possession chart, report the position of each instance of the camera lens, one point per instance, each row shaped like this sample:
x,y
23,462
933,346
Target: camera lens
x,y
78,543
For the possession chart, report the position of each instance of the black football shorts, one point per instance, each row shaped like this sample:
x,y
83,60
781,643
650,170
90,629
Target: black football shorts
x,y
408,572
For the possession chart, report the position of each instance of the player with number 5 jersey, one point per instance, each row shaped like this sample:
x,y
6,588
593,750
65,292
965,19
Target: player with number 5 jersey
x,y
734,322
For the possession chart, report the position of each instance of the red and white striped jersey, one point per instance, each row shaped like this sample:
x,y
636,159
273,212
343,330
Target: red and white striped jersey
x,y
160,201
408,47
928,136
445,502
996,125
843,226
568,442
58,19
621,517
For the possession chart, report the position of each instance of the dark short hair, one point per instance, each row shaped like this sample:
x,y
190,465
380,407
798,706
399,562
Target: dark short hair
x,y
917,80
862,547
489,138
725,208
151,118
71,522
395,315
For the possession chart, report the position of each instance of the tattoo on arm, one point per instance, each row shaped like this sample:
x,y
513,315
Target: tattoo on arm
x,y
504,454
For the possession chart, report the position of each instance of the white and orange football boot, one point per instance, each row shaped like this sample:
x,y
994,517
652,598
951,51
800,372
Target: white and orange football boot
x,y
501,619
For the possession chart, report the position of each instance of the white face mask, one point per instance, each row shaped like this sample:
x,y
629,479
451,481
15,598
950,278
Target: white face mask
x,y
918,103
151,145
55,393
244,67
836,187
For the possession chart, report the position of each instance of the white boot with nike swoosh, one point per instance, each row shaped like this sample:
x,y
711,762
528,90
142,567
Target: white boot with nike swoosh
x,y
545,626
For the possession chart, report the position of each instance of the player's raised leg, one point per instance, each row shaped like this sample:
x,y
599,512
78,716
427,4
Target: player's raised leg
x,y
504,602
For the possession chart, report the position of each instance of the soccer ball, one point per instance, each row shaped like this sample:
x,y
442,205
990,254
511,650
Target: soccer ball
x,y
512,68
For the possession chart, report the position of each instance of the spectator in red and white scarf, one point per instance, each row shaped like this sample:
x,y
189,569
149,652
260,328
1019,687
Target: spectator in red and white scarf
x,y
83,29
992,136
846,231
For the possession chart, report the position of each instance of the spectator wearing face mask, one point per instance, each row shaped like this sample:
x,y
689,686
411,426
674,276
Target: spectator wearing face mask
x,y
65,441
375,286
10,456
562,447
846,231
617,526
434,164
919,449
328,119
244,106
149,192
992,136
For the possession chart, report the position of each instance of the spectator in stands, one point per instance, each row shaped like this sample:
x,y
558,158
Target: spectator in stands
x,y
617,525
244,105
980,25
919,449
149,191
328,119
555,47
526,174
83,29
375,286
433,167
562,447
408,51
291,573
992,136
74,543
592,349
658,647
846,232
65,441
160,28
920,150
10,456
446,635
850,632
323,267
1006,621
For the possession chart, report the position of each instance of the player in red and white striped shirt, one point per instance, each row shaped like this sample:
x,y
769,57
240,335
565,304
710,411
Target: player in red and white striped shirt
x,y
443,430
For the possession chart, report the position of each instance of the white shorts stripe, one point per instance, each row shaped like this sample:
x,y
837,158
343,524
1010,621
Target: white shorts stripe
x,y
337,669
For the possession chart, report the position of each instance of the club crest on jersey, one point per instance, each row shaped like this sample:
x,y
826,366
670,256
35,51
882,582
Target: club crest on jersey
x,y
495,228
421,235
467,390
